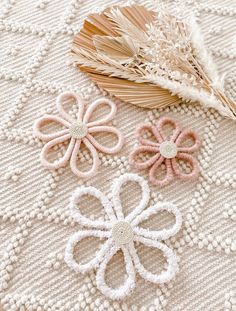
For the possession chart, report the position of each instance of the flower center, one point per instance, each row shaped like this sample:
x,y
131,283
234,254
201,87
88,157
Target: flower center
x,y
122,233
78,130
168,149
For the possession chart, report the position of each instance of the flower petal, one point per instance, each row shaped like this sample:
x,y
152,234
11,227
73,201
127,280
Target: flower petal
x,y
46,120
73,160
116,189
129,283
168,121
183,137
64,97
165,276
93,263
94,106
158,234
154,170
49,145
85,221
108,129
152,130
146,150
187,158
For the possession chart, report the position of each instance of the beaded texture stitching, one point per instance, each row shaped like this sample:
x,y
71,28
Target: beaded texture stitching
x,y
122,232
35,76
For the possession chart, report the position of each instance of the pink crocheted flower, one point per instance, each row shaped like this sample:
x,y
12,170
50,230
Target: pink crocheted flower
x,y
77,132
169,151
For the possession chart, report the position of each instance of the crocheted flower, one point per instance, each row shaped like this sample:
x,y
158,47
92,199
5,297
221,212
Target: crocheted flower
x,y
122,233
77,132
166,150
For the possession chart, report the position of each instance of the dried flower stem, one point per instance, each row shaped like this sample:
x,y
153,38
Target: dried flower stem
x,y
141,50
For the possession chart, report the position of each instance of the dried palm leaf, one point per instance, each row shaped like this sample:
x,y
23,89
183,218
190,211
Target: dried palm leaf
x,y
121,49
149,59
142,94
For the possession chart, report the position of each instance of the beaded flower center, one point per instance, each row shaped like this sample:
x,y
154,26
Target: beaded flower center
x,y
168,149
122,233
78,130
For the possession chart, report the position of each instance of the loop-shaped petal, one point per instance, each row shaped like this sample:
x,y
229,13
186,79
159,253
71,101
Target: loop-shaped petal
x,y
154,170
122,236
61,100
158,234
188,158
116,189
73,160
108,117
85,221
104,129
100,254
183,137
164,276
63,160
47,119
175,132
144,150
148,142
129,283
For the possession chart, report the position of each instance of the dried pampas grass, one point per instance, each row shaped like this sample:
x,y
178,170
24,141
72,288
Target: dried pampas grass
x,y
149,59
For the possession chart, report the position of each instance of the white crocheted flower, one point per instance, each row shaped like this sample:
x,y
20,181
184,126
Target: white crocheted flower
x,y
122,233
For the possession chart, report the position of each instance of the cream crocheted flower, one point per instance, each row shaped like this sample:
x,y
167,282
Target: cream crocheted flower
x,y
122,233
76,132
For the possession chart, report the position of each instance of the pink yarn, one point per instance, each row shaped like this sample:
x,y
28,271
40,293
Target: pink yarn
x,y
149,147
84,118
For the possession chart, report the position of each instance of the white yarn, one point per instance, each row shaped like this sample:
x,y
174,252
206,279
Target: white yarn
x,y
164,233
85,221
111,246
77,237
165,276
129,283
116,189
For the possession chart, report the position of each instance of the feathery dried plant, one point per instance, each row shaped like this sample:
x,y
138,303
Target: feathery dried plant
x,y
149,59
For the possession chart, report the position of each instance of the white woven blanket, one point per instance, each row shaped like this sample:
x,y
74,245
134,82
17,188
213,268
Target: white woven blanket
x,y
35,224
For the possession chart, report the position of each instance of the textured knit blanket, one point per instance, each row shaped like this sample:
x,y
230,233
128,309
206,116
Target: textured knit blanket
x,y
35,220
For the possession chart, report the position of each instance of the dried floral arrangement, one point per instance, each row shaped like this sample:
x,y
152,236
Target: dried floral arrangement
x,y
149,59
